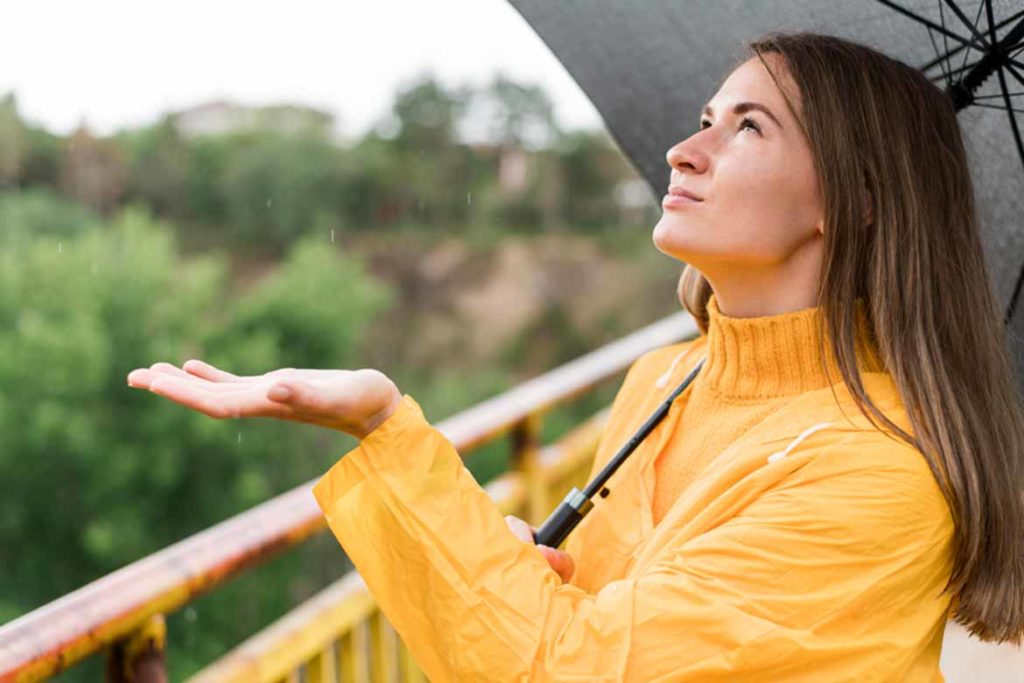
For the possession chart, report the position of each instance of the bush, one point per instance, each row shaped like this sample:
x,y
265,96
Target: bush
x,y
94,474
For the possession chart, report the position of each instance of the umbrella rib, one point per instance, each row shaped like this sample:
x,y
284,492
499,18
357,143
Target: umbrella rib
x,y
1013,72
990,97
926,22
945,45
941,62
974,27
995,106
1015,296
957,50
963,18
961,70
1010,63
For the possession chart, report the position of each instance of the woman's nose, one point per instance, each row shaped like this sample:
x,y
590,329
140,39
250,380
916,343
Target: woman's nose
x,y
685,155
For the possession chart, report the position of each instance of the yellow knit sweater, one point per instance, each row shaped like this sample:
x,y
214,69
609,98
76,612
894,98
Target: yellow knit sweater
x,y
754,365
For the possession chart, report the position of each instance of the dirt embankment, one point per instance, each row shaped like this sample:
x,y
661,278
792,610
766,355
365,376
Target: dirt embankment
x,y
533,301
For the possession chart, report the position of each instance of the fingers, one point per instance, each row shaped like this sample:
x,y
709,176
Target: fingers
x,y
144,377
168,369
560,561
519,528
140,378
188,393
202,369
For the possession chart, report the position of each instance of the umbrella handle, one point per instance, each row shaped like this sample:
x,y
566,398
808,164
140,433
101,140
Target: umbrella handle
x,y
576,504
570,512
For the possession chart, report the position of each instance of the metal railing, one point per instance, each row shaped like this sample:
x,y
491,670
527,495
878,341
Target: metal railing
x,y
337,634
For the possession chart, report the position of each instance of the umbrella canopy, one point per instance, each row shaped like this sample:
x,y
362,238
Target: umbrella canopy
x,y
649,67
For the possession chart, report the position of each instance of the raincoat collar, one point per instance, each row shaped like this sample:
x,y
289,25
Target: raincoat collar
x,y
769,357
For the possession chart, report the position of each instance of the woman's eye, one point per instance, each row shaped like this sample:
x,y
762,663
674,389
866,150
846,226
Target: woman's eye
x,y
704,123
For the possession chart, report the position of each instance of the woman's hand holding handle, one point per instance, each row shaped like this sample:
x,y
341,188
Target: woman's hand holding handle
x,y
352,401
559,560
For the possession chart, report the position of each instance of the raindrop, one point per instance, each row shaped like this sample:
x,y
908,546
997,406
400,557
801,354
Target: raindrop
x,y
60,247
190,614
239,437
269,202
469,197
332,234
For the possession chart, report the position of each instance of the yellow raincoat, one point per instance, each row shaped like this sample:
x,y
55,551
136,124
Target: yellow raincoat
x,y
814,548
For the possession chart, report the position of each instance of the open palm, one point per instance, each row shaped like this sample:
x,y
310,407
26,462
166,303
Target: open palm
x,y
352,401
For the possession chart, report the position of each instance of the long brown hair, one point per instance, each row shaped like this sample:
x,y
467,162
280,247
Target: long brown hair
x,y
877,125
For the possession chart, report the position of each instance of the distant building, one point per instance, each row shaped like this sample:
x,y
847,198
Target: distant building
x,y
513,170
512,165
220,116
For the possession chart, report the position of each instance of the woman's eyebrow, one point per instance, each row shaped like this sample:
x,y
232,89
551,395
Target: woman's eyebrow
x,y
743,108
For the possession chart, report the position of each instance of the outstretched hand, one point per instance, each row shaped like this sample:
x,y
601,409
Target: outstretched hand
x,y
351,401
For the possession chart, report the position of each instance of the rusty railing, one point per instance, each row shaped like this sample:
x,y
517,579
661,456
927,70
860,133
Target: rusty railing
x,y
338,634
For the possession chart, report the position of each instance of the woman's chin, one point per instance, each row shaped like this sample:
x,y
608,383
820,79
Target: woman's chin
x,y
674,240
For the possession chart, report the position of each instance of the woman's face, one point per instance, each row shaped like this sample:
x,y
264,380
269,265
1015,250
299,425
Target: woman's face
x,y
760,205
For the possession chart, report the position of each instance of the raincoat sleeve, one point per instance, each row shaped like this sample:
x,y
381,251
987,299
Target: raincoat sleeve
x,y
824,576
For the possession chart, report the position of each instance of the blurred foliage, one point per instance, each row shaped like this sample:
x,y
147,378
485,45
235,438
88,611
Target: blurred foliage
x,y
457,159
94,282
93,474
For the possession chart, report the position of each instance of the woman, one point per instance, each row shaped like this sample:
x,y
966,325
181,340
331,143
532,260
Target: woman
x,y
843,474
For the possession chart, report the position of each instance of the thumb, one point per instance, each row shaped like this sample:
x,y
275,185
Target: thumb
x,y
282,392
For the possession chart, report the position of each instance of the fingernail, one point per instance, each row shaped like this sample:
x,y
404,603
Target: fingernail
x,y
280,393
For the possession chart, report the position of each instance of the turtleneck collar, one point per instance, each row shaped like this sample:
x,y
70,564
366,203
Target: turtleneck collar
x,y
775,355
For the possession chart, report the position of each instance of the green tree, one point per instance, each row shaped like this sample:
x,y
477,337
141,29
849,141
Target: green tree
x,y
94,475
208,161
279,186
433,169
158,161
518,114
93,171
427,114
11,144
36,212
592,167
40,158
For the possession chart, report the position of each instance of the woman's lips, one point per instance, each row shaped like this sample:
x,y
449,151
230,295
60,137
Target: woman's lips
x,y
678,201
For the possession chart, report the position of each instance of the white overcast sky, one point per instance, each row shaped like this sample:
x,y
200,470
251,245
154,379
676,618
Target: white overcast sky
x,y
120,63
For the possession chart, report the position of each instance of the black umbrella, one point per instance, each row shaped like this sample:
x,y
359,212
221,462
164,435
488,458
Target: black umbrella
x,y
646,64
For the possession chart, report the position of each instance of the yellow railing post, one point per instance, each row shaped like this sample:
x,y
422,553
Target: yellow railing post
x,y
353,655
384,642
322,668
139,657
411,671
526,437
